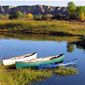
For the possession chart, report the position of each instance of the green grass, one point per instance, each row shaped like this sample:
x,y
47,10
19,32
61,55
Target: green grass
x,y
21,76
27,76
47,27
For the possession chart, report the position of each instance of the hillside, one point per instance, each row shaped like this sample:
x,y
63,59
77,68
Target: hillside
x,y
36,9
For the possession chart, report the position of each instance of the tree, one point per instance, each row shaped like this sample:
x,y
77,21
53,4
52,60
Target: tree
x,y
29,16
82,16
80,12
71,9
16,15
20,14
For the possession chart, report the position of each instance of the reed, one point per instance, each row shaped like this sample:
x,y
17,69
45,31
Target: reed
x,y
27,76
66,71
21,76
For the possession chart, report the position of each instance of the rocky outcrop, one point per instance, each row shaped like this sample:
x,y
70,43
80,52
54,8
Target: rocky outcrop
x,y
36,9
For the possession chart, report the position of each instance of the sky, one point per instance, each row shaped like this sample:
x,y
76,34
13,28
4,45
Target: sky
x,y
41,2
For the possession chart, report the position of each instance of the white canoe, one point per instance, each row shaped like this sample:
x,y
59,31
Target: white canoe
x,y
11,61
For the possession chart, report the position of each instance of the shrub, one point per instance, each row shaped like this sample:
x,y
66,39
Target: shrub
x,y
47,16
29,16
16,15
2,16
37,17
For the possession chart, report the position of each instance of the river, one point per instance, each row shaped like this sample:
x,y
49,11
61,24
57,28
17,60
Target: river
x,y
46,45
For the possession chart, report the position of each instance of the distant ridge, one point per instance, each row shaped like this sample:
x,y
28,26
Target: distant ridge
x,y
35,9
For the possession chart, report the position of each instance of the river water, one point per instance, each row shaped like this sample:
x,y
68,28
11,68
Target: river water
x,y
14,45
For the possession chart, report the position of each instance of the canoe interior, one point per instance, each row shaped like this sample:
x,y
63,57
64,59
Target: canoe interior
x,y
23,56
43,59
40,61
7,62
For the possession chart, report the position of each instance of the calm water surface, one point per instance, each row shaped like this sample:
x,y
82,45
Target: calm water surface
x,y
14,45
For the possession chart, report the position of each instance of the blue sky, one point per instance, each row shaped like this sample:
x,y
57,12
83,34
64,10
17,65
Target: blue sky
x,y
40,2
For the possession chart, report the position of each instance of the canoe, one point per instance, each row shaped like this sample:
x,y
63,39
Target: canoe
x,y
40,61
11,61
66,64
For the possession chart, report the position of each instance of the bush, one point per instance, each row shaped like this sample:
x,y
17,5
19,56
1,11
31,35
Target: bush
x,y
2,16
16,15
60,17
47,16
29,16
37,17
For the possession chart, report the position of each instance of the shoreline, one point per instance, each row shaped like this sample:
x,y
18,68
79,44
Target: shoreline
x,y
56,27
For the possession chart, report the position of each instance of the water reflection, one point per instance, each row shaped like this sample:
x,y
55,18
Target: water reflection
x,y
70,47
71,40
68,42
80,44
40,37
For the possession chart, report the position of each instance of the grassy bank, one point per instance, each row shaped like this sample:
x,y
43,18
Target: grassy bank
x,y
21,76
27,76
39,37
47,27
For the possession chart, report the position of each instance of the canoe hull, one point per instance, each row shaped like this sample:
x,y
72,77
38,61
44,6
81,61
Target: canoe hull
x,y
36,64
7,62
70,63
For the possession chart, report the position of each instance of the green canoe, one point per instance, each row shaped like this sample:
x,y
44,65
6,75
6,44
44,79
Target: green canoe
x,y
40,61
